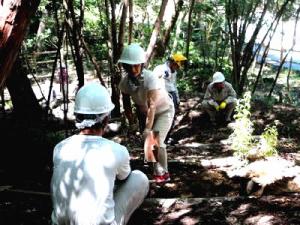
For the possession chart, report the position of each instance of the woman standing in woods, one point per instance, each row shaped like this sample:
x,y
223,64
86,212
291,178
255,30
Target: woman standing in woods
x,y
152,100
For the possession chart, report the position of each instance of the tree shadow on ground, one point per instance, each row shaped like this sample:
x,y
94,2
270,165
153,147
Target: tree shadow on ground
x,y
237,210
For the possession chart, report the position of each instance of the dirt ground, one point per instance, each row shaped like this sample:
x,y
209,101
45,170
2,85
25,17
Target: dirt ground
x,y
197,193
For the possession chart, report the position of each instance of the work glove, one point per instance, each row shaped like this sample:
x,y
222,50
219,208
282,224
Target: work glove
x,y
146,132
214,104
222,105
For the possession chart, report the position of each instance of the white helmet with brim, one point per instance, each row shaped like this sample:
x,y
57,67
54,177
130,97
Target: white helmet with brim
x,y
133,54
218,77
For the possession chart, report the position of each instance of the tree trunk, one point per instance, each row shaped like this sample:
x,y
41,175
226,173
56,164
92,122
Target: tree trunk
x,y
112,44
113,25
265,54
283,58
292,49
25,105
155,32
122,27
190,28
130,26
168,31
263,60
75,32
277,74
178,30
14,20
167,34
94,61
242,53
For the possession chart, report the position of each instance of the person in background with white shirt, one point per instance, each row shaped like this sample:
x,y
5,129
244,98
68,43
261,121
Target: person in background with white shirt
x,y
168,72
92,181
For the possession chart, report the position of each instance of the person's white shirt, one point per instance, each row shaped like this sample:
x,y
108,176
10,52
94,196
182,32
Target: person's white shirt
x,y
85,168
164,72
147,81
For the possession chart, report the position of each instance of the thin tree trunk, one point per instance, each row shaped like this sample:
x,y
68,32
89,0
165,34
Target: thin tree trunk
x,y
167,35
178,29
189,28
94,61
245,61
189,33
113,46
231,15
284,59
250,57
110,38
242,57
170,28
292,49
163,44
130,26
25,104
14,19
155,32
263,59
265,53
75,32
81,15
223,50
122,27
59,44
277,74
113,26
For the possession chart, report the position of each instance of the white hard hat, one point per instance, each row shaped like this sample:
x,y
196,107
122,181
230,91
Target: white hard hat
x,y
93,98
133,54
218,77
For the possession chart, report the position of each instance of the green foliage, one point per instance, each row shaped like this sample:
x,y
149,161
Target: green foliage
x,y
241,138
268,102
209,49
243,143
292,97
269,140
185,85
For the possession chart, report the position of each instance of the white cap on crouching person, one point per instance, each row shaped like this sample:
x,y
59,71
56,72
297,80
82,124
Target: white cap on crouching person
x,y
218,77
92,105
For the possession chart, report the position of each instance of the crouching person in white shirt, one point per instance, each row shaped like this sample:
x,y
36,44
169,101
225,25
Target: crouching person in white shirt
x,y
86,167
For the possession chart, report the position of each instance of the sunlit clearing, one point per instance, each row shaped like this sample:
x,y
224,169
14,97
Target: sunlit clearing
x,y
261,219
189,220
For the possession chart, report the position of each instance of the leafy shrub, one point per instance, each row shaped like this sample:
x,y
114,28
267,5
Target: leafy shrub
x,y
269,140
243,142
241,138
